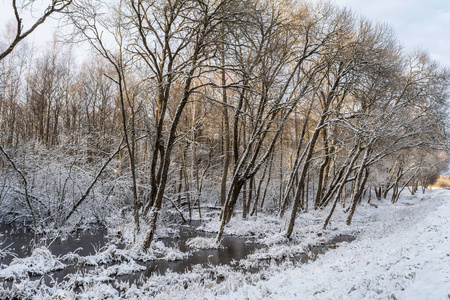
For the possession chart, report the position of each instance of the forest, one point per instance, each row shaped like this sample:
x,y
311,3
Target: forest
x,y
224,109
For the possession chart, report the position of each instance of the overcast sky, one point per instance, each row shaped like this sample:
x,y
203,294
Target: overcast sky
x,y
423,24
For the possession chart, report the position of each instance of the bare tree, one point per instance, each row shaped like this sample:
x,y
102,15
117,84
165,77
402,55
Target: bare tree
x,y
56,6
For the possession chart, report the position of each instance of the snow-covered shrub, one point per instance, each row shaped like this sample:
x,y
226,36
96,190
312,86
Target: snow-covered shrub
x,y
106,255
41,262
202,243
58,178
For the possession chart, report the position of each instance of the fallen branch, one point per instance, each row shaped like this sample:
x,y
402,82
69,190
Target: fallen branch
x,y
176,207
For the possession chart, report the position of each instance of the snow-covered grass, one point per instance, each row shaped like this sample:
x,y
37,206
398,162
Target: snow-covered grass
x,y
202,243
112,254
402,251
40,262
106,255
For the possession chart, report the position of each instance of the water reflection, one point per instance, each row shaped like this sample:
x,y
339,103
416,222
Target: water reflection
x,y
88,241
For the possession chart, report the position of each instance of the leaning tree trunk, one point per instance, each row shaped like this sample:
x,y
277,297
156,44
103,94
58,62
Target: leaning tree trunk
x,y
157,202
341,186
359,185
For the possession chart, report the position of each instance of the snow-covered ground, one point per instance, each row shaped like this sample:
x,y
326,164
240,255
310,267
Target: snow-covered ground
x,y
402,251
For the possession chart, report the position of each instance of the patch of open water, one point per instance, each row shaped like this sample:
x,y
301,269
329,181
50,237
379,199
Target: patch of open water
x,y
234,249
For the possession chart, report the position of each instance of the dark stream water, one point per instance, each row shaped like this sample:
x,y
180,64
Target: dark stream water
x,y
21,240
234,249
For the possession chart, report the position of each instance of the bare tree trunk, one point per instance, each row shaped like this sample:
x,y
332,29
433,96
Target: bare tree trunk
x,y
309,153
378,192
341,186
166,159
300,187
187,185
268,181
244,201
281,170
360,181
258,190
293,178
321,180
180,179
225,134
250,194
129,141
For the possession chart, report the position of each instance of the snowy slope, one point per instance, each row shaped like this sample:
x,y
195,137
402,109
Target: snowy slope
x,y
403,254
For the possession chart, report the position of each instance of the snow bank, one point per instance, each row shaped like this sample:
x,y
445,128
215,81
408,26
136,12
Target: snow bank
x,y
402,253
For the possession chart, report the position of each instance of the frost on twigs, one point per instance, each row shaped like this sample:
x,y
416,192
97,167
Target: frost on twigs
x,y
71,256
4,251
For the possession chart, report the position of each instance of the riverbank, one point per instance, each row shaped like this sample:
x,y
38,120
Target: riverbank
x,y
401,251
